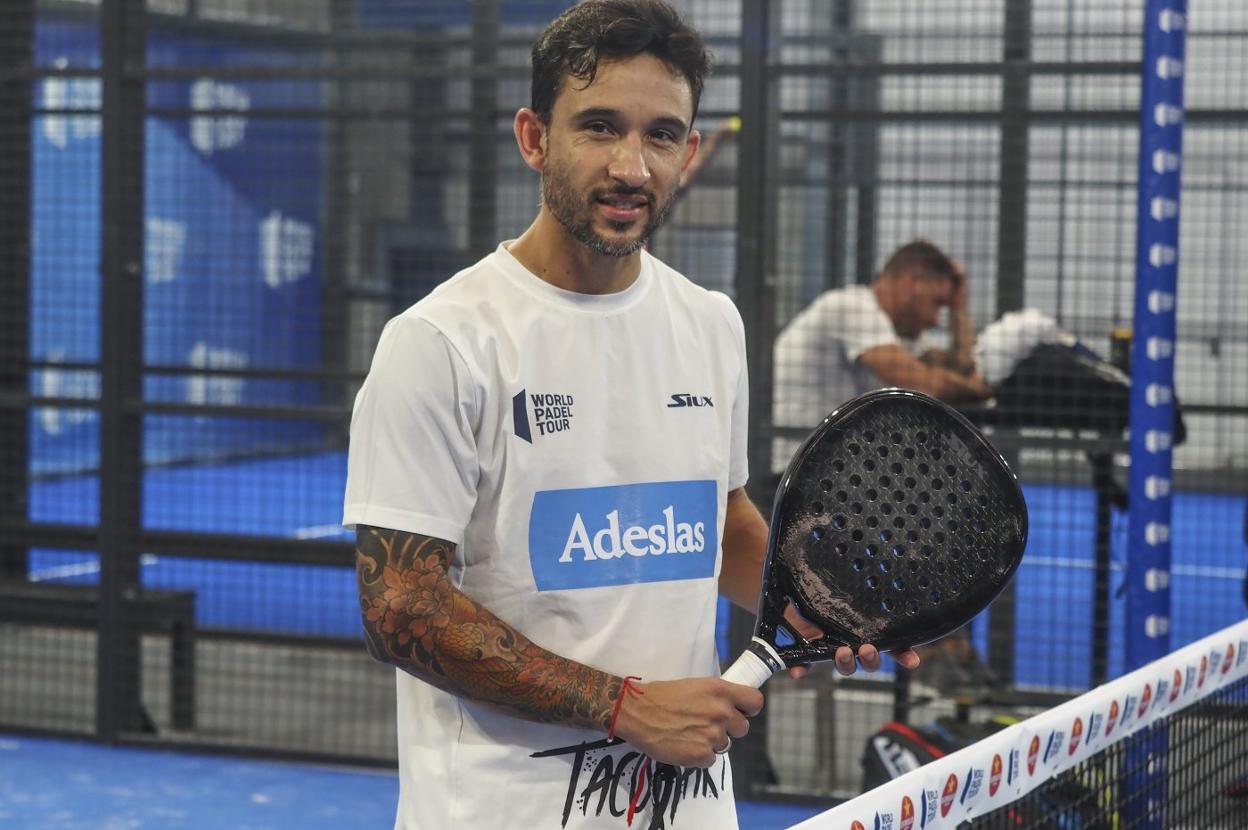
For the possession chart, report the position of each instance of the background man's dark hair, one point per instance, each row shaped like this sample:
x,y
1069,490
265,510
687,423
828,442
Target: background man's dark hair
x,y
919,255
598,30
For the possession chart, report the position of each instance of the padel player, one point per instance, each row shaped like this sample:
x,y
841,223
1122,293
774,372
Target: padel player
x,y
546,472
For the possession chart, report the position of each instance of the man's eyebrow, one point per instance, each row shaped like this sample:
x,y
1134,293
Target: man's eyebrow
x,y
670,122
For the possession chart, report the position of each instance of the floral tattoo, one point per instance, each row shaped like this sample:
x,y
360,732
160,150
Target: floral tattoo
x,y
416,620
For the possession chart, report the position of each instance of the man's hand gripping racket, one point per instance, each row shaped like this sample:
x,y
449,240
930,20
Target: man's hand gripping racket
x,y
895,523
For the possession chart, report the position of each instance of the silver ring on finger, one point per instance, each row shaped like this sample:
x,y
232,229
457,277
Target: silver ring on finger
x,y
727,747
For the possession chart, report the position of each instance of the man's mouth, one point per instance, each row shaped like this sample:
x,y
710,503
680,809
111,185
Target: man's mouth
x,y
623,208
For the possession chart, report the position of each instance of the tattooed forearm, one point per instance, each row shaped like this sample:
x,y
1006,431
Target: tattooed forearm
x,y
416,620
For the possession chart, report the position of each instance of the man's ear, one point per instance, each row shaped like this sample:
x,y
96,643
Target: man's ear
x,y
530,133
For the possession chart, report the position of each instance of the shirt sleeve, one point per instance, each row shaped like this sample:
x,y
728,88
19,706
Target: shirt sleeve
x,y
857,319
739,462
412,463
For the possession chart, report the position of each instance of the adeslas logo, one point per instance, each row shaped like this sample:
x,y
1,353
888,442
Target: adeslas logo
x,y
596,536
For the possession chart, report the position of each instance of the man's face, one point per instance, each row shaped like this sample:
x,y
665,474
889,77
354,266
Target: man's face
x,y
615,151
924,297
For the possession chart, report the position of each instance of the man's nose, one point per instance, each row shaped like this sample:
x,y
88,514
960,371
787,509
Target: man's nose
x,y
628,166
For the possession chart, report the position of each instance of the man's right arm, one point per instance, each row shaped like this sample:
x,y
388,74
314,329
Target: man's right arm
x,y
897,367
415,619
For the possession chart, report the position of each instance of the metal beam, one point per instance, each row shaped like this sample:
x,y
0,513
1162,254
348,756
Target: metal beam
x,y
123,51
17,53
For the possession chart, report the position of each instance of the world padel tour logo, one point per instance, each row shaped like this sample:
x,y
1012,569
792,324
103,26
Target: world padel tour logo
x,y
971,789
552,413
994,777
596,536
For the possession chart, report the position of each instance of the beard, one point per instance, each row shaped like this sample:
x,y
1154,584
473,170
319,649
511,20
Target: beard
x,y
576,213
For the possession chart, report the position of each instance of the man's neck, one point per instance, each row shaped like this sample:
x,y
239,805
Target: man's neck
x,y
551,253
886,295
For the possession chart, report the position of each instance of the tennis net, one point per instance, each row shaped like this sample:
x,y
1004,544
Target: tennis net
x,y
1165,746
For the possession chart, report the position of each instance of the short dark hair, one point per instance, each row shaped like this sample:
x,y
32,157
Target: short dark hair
x,y
597,30
922,256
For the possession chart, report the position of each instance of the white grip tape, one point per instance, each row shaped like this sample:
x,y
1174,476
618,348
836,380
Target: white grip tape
x,y
750,669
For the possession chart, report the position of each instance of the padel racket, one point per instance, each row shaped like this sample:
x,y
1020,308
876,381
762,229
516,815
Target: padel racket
x,y
895,523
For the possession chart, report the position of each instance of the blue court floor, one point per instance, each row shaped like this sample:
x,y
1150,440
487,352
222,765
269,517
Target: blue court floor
x,y
68,785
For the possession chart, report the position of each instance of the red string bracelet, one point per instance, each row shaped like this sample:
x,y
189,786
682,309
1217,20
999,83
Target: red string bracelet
x,y
626,687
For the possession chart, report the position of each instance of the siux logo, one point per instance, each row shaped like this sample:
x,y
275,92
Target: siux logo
x,y
596,536
683,399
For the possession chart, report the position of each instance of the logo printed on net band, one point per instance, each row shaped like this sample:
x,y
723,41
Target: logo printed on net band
x,y
620,535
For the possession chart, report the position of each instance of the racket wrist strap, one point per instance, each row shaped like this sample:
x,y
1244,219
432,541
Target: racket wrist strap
x,y
756,664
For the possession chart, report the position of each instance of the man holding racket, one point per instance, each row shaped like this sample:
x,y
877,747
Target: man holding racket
x,y
546,502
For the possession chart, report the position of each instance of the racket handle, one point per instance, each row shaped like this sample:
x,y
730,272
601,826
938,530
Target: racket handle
x,y
756,664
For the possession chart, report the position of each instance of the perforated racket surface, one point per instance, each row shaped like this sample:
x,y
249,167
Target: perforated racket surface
x,y
895,523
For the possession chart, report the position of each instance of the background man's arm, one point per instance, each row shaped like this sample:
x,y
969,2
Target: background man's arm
x,y
414,618
895,366
960,357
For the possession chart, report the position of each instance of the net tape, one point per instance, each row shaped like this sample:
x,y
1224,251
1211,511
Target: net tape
x,y
1006,766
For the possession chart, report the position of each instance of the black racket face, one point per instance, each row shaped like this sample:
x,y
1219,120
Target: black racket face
x,y
895,523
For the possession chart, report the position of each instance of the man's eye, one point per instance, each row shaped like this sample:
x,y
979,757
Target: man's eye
x,y
663,135
598,127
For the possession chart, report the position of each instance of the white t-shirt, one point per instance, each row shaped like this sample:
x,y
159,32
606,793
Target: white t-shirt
x,y
815,360
578,450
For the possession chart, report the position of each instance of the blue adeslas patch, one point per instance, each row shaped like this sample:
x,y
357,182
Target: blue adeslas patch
x,y
625,534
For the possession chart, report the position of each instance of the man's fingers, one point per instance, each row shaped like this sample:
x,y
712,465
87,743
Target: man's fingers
x,y
738,726
845,660
747,701
908,658
870,657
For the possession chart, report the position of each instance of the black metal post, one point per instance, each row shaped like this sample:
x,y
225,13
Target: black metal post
x,y
17,49
336,302
483,144
123,47
1015,126
840,15
1108,495
1012,253
757,177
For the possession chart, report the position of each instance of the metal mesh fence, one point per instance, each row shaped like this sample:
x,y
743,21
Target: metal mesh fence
x,y
211,207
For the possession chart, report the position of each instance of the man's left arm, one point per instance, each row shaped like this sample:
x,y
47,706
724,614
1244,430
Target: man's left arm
x,y
741,577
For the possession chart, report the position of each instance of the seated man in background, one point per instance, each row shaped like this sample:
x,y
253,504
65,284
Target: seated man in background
x,y
855,339
858,338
